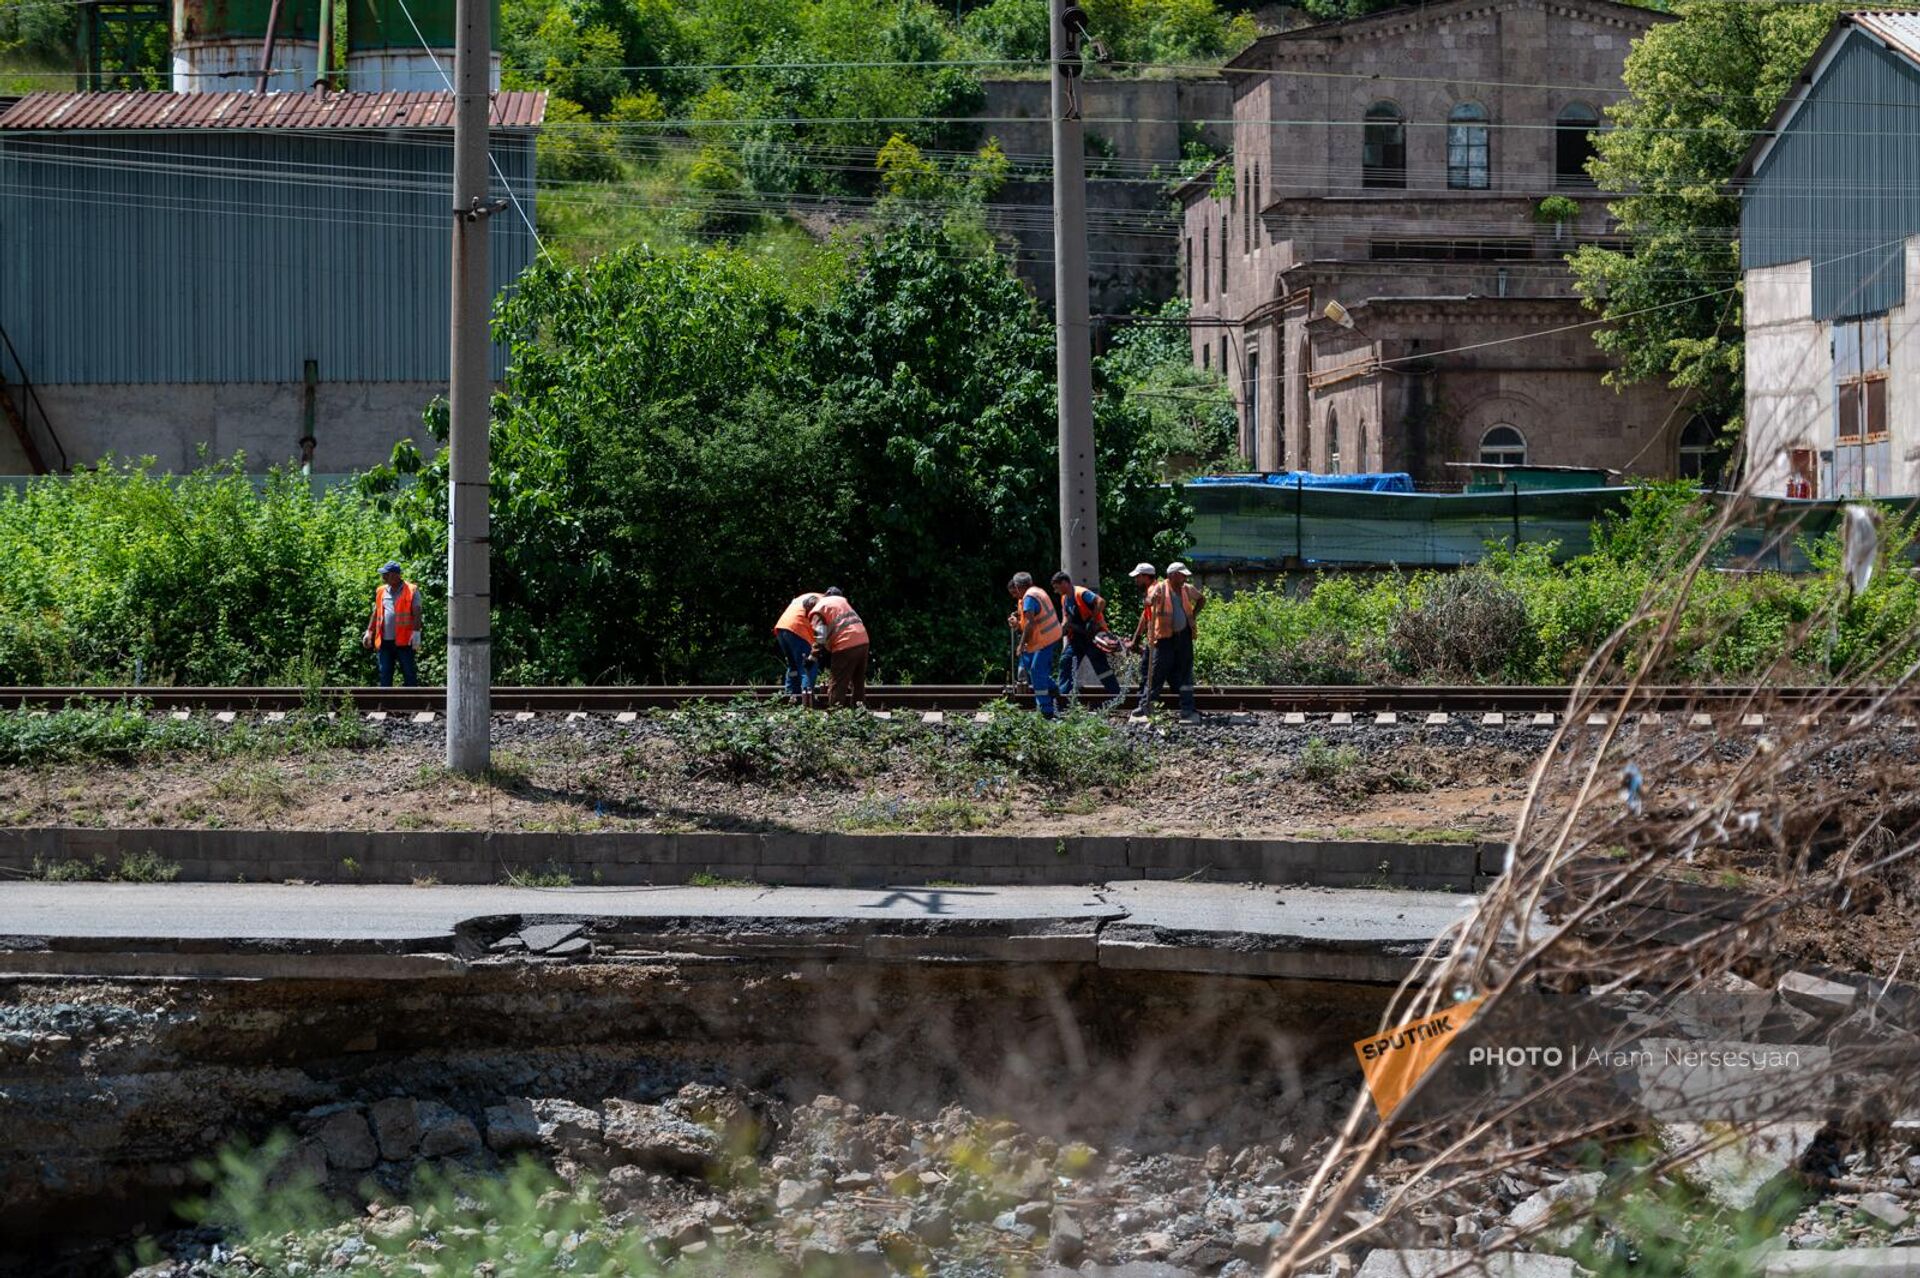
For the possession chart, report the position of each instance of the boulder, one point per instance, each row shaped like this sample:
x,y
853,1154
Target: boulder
x,y
1747,1169
512,1126
1886,1209
1066,1241
396,1127
1559,1204
1816,996
446,1131
1253,1241
654,1137
793,1195
346,1139
568,1128
397,1225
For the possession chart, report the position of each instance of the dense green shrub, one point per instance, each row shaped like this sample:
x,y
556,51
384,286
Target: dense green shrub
x,y
1521,616
1078,751
212,577
1468,625
778,744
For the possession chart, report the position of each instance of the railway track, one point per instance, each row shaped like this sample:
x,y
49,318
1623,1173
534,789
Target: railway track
x,y
1370,700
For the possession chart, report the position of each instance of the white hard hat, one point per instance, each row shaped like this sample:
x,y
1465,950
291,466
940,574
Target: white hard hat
x,y
1176,568
1143,569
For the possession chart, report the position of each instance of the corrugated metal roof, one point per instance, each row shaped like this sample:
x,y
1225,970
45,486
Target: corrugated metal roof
x,y
39,111
1900,28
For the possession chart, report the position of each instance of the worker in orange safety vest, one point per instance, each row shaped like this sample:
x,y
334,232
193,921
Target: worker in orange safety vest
x,y
794,633
1170,610
1083,616
393,631
1036,620
840,642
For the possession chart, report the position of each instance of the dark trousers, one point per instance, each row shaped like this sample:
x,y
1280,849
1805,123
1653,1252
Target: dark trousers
x,y
848,669
1082,645
391,655
802,669
1170,666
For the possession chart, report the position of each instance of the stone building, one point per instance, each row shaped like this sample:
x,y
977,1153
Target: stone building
x,y
1830,250
1424,169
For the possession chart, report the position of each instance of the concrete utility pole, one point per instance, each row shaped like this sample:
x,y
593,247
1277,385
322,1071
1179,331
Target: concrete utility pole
x,y
1079,526
469,600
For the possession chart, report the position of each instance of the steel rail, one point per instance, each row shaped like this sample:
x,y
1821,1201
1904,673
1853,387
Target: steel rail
x,y
1368,699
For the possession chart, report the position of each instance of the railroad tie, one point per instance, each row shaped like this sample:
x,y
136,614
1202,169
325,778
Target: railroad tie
x,y
1493,719
1341,717
1294,717
1386,719
1437,718
626,716
1700,720
423,716
1543,720
524,716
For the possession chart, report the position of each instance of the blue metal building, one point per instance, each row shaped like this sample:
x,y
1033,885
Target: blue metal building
x,y
1830,203
236,272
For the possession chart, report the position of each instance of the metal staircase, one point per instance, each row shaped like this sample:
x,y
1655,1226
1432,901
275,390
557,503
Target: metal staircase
x,y
20,405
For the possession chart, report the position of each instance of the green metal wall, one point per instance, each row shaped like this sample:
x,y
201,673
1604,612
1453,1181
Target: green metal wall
x,y
383,24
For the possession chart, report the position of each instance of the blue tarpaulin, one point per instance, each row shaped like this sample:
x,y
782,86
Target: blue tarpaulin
x,y
1393,481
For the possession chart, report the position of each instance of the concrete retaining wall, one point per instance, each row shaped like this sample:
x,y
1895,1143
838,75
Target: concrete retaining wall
x,y
814,860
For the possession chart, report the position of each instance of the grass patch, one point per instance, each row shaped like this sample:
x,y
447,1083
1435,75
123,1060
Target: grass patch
x,y
547,876
776,744
703,879
1078,751
1322,762
262,789
134,867
127,732
1408,834
947,815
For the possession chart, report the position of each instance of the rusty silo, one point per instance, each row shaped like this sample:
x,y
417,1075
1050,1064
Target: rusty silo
x,y
221,44
402,46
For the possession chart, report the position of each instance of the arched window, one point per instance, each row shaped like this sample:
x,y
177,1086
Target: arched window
x,y
1502,445
1467,161
1360,446
1699,458
1383,151
1333,442
1573,144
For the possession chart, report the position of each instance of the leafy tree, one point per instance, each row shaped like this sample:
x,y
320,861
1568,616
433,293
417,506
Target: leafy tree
x,y
1190,423
942,378
687,439
1698,88
1178,31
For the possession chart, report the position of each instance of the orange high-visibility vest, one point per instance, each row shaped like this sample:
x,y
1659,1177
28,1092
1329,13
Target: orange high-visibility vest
x,y
406,615
1160,607
1042,631
837,625
1088,608
795,619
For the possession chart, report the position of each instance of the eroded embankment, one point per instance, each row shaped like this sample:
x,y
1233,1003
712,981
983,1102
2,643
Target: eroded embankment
x,y
110,1091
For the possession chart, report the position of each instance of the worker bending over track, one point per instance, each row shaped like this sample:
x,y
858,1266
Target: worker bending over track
x,y
840,642
1083,616
794,633
1037,621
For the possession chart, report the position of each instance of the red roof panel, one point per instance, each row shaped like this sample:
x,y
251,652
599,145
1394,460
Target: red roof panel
x,y
40,111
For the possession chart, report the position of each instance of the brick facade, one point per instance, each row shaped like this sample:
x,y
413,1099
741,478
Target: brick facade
x,y
1345,188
